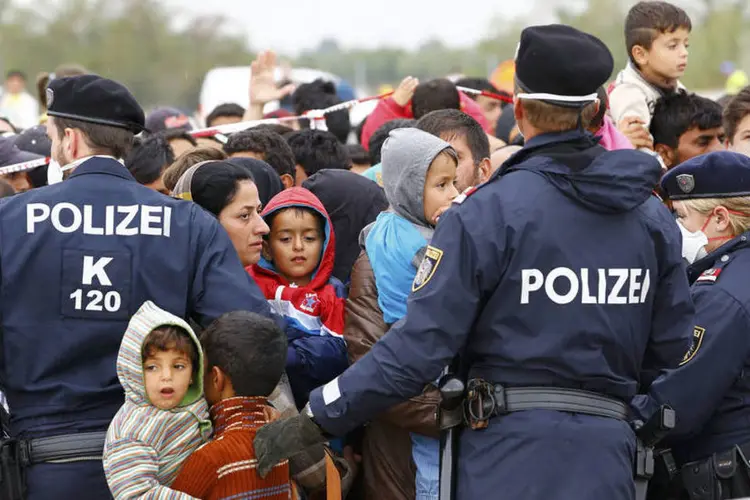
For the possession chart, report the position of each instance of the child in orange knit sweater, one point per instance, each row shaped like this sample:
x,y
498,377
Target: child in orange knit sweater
x,y
245,357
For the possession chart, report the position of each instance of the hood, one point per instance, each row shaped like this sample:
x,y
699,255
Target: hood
x,y
301,197
352,202
602,181
265,177
610,138
130,362
407,154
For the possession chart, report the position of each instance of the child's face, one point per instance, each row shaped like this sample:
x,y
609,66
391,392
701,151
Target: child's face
x,y
167,376
668,56
439,190
294,245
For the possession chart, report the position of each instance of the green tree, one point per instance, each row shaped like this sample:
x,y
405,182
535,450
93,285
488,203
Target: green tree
x,y
132,41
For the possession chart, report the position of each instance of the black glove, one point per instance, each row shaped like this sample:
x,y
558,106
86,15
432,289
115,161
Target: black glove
x,y
284,438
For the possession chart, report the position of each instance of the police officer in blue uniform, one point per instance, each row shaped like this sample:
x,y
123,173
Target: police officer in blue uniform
x,y
77,259
561,283
710,391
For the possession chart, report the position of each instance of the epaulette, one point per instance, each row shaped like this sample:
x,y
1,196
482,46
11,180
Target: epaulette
x,y
709,275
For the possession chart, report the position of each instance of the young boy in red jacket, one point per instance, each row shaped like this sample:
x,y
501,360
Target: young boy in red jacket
x,y
294,273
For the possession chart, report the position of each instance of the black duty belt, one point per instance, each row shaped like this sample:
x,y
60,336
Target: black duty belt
x,y
485,400
65,448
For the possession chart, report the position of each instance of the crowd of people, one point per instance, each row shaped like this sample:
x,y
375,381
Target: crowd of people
x,y
266,312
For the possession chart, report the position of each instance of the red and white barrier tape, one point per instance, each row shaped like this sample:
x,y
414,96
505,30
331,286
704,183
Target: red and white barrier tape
x,y
486,93
24,166
316,117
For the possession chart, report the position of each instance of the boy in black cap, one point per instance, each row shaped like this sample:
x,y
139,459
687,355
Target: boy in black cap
x,y
568,303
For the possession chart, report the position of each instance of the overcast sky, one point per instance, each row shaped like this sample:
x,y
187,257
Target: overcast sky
x,y
292,25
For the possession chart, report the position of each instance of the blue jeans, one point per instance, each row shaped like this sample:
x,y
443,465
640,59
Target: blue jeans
x,y
426,454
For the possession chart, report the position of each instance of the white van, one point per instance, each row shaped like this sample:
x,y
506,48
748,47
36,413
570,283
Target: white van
x,y
230,84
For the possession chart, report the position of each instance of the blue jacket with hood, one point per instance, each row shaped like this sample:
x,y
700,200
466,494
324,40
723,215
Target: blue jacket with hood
x,y
563,271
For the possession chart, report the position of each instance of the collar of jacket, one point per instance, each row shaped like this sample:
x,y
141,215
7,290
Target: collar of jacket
x,y
542,141
240,413
719,257
108,165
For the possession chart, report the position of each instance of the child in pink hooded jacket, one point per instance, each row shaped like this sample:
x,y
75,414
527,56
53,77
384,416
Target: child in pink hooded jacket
x,y
605,129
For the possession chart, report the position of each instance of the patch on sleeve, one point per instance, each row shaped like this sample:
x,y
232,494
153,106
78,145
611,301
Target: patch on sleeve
x,y
427,268
331,392
709,275
694,345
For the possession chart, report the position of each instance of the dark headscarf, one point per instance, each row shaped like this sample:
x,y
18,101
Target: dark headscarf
x,y
266,179
352,201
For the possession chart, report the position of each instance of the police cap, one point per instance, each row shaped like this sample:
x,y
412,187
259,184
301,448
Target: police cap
x,y
722,174
91,98
561,65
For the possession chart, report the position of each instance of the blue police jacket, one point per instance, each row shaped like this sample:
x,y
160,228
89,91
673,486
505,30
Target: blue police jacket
x,y
77,259
562,270
711,388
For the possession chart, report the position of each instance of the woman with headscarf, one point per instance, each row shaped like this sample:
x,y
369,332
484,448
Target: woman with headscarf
x,y
229,192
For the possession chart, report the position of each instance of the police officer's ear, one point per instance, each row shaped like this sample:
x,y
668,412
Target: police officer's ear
x,y
721,215
669,155
485,170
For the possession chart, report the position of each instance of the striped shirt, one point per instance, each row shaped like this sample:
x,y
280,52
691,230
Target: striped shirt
x,y
225,468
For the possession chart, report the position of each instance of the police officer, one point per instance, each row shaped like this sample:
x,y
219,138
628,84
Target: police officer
x,y
77,259
559,280
710,391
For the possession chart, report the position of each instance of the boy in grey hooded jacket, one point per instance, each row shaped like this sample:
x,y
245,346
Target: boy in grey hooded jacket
x,y
419,171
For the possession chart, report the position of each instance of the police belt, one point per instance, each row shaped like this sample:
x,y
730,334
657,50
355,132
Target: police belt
x,y
485,400
83,446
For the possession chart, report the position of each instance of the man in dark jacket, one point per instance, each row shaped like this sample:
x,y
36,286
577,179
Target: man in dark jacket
x,y
78,258
560,282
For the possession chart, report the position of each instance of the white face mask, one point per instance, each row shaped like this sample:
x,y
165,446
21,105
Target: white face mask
x,y
54,173
693,244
